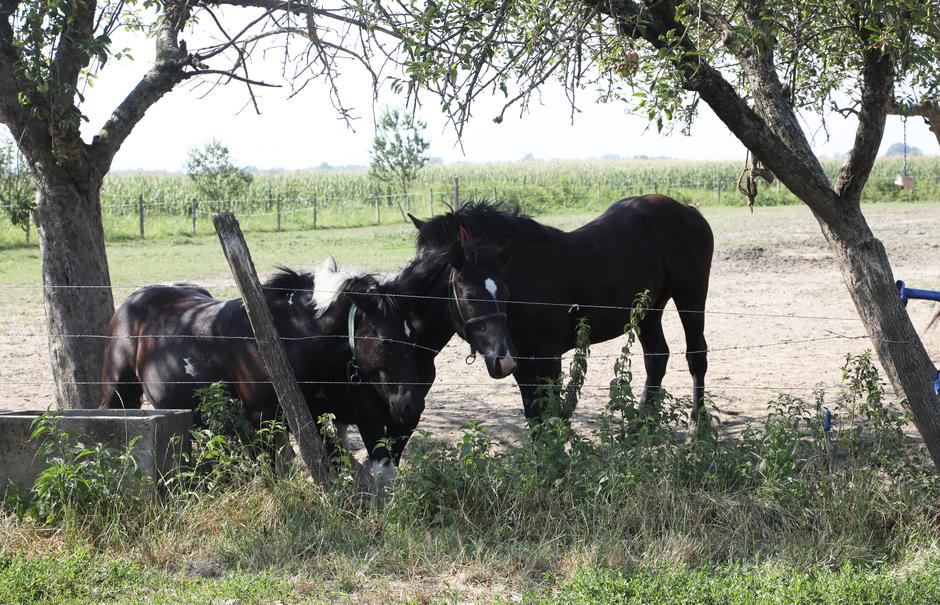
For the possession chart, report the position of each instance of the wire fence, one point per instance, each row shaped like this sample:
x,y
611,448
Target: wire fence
x,y
302,206
15,339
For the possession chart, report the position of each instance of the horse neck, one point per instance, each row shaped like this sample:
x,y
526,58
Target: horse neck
x,y
430,307
330,352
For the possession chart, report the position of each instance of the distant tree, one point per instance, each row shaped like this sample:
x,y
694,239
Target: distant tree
x,y
398,150
216,176
17,190
897,149
528,157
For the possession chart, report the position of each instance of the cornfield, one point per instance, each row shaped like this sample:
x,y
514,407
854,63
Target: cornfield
x,y
327,198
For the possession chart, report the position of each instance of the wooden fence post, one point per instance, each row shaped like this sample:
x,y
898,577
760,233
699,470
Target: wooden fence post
x,y
279,211
299,419
140,213
314,210
29,228
456,193
718,189
431,203
375,200
194,204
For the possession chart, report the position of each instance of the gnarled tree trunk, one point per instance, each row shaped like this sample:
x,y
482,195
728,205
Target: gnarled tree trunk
x,y
77,293
868,276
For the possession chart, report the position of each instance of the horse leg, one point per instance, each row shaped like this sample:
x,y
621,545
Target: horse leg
x,y
692,314
655,355
530,374
374,437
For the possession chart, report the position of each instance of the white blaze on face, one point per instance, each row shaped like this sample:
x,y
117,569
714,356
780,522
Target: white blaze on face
x,y
290,299
490,286
189,367
407,329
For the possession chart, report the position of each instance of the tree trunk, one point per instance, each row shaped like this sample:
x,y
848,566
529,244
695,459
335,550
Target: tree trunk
x,y
867,274
77,286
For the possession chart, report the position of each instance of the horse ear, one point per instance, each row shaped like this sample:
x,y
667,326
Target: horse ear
x,y
505,253
456,256
417,222
453,225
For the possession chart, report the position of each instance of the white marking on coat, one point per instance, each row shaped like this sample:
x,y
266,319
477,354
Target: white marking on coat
x,y
407,329
290,299
189,367
490,286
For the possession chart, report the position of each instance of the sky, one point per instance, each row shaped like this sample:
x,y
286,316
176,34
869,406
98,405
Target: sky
x,y
305,131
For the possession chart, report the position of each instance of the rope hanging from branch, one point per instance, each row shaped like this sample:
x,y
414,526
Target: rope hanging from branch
x,y
747,182
904,179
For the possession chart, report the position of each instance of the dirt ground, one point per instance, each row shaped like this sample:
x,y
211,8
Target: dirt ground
x,y
780,320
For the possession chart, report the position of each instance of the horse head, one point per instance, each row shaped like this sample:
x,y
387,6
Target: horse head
x,y
477,294
382,349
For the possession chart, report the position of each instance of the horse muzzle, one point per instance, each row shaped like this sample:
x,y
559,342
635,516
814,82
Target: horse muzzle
x,y
500,366
406,410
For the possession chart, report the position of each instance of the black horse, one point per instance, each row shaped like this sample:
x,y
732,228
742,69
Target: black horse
x,y
168,341
453,290
641,243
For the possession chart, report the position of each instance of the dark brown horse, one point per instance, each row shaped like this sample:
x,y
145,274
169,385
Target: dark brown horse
x,y
450,291
168,341
554,277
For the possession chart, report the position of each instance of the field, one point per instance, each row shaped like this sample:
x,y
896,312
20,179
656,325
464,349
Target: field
x,y
347,198
747,518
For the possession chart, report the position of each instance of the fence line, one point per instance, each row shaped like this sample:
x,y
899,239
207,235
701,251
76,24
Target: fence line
x,y
780,343
573,306
489,383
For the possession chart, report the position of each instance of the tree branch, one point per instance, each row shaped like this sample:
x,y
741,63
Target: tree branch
x,y
877,84
798,169
928,109
300,9
167,71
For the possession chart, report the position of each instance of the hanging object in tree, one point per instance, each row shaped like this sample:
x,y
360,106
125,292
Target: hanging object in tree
x,y
747,182
904,179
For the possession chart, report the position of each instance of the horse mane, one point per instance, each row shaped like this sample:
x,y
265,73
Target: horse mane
x,y
333,285
427,271
491,222
289,285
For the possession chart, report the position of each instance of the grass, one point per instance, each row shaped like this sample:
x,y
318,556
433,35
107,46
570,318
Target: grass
x,y
666,513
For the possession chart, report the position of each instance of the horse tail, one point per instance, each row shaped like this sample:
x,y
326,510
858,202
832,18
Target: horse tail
x,y
120,384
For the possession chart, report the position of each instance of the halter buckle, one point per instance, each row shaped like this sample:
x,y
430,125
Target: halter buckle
x,y
352,371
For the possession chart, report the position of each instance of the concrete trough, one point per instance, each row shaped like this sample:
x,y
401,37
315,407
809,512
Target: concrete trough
x,y
164,438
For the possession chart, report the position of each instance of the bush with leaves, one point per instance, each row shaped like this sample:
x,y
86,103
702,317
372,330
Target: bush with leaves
x,y
227,450
85,484
216,177
17,190
399,149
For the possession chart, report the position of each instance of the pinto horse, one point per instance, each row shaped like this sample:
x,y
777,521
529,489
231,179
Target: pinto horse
x,y
650,242
168,341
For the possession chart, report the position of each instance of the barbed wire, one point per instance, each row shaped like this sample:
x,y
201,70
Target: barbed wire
x,y
488,384
779,343
572,306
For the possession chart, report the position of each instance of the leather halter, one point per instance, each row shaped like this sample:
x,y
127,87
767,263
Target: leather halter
x,y
466,322
353,365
